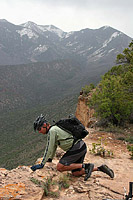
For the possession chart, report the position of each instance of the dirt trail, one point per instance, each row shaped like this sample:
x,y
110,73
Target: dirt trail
x,y
17,184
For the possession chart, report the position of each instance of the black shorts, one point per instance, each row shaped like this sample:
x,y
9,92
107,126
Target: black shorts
x,y
74,155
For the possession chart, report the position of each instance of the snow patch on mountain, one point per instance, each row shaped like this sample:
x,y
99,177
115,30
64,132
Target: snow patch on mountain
x,y
41,49
105,27
114,35
41,29
27,32
111,50
34,27
69,34
85,51
99,56
71,44
98,53
101,52
29,25
55,30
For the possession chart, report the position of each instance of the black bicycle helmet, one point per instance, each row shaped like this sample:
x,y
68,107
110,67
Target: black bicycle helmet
x,y
38,123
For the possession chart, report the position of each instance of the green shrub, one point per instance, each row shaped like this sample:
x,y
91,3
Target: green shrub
x,y
113,97
130,148
129,139
87,89
64,181
99,148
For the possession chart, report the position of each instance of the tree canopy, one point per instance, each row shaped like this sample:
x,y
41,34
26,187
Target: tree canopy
x,y
113,97
127,56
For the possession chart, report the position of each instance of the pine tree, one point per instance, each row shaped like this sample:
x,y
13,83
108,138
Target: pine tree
x,y
127,56
113,98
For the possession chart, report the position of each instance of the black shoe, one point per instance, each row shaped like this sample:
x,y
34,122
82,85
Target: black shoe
x,y
88,170
107,170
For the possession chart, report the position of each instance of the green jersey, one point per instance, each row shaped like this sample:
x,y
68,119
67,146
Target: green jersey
x,y
56,137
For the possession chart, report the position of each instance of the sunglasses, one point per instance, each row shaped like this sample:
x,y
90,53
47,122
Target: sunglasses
x,y
39,128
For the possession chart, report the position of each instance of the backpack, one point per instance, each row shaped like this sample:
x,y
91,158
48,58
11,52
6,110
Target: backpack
x,y
73,126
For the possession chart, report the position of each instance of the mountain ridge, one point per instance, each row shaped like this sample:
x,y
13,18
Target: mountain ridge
x,y
30,42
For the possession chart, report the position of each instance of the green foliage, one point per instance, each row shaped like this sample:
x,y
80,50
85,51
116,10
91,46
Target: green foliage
x,y
130,149
113,129
86,90
64,181
113,98
35,181
99,148
129,139
127,56
45,185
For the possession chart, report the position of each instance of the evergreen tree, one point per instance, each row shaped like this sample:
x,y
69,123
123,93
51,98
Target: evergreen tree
x,y
113,98
127,56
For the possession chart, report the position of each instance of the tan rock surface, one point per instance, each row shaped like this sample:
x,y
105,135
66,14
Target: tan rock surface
x,y
17,184
83,112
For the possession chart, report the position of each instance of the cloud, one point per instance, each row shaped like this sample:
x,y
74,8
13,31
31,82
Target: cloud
x,y
89,4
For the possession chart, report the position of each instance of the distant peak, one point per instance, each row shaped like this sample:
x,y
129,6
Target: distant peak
x,y
105,27
49,27
3,20
29,24
54,29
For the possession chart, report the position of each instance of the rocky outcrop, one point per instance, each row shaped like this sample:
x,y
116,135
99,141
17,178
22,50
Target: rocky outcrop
x,y
83,112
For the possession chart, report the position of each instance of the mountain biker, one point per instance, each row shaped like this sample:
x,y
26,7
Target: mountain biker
x,y
73,158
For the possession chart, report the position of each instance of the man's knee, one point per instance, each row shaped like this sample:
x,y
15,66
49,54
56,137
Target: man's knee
x,y
60,167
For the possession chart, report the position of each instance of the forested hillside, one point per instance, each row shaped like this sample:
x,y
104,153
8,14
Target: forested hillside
x,y
112,99
19,144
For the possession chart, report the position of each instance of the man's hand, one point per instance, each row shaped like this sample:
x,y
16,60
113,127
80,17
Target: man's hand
x,y
35,167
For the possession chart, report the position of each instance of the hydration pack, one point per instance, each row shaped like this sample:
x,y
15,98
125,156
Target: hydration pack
x,y
73,126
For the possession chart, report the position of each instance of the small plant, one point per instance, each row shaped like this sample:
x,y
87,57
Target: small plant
x,y
46,186
99,149
112,128
54,194
130,148
129,139
64,181
35,181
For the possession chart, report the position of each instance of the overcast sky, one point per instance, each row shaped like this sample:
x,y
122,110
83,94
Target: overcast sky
x,y
71,15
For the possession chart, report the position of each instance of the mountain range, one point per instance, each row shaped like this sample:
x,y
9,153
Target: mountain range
x,y
43,63
29,42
